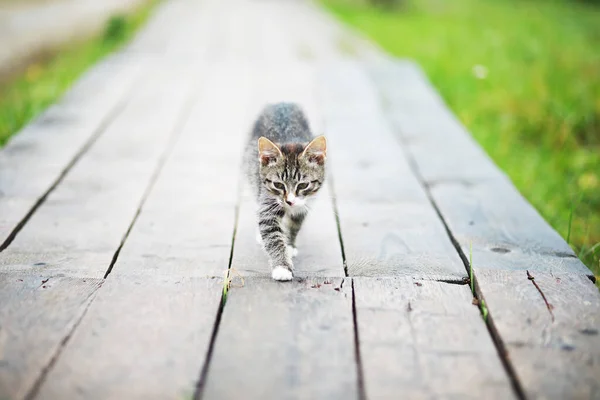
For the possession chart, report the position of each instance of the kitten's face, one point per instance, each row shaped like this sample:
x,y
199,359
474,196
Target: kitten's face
x,y
291,173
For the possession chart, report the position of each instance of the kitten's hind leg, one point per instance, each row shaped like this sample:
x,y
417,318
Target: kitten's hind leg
x,y
292,250
258,236
294,224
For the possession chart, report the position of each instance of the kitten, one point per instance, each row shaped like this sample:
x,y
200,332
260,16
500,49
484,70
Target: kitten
x,y
286,166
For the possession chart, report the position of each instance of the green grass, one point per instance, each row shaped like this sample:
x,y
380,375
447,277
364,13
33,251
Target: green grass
x,y
524,77
480,302
42,83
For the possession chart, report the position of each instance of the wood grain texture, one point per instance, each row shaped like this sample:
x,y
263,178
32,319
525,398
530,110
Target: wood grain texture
x,y
505,231
425,339
186,225
482,208
427,126
289,340
142,338
34,159
556,352
81,224
36,312
388,225
478,202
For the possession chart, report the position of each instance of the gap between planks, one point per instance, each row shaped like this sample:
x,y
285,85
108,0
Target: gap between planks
x,y
477,294
204,375
226,281
362,392
44,373
184,117
111,115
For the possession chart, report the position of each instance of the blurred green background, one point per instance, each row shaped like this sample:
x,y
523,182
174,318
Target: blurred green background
x,y
27,94
524,77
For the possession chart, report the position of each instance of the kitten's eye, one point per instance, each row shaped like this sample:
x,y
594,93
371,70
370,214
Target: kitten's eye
x,y
279,185
302,186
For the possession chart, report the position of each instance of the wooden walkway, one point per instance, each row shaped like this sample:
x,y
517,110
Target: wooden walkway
x,y
122,207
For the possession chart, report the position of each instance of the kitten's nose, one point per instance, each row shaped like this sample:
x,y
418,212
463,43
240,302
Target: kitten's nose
x,y
289,199
290,203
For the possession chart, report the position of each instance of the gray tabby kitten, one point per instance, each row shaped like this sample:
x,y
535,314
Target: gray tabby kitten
x,y
286,166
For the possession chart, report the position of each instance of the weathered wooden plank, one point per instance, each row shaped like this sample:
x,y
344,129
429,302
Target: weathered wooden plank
x,y
269,352
178,30
33,161
36,312
387,223
285,341
328,39
504,230
554,347
142,338
479,204
186,225
421,117
318,242
551,359
425,339
81,224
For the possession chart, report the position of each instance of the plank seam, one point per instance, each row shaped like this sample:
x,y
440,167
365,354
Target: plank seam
x,y
102,127
477,293
198,393
464,281
179,126
337,222
362,393
44,373
209,352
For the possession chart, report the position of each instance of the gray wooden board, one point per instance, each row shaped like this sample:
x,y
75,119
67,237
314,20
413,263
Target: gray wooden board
x,y
179,30
420,115
479,204
504,230
290,340
35,157
186,225
318,242
79,227
423,340
142,338
557,359
508,236
388,225
36,312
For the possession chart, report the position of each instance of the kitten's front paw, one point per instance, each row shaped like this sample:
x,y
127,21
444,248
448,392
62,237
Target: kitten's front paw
x,y
292,250
281,274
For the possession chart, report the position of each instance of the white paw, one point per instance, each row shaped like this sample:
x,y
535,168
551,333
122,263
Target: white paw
x,y
292,250
281,274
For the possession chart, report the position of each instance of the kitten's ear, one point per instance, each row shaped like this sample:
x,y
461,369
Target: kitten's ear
x,y
268,151
316,151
